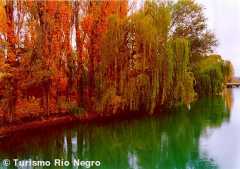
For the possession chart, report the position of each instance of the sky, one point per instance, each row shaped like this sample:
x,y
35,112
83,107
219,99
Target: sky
x,y
224,20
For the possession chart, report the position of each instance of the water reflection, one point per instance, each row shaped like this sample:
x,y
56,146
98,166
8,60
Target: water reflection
x,y
222,144
228,97
169,142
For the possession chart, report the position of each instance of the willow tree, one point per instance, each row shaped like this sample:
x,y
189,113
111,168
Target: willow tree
x,y
139,61
138,66
211,73
114,63
95,25
183,88
143,50
143,63
188,21
228,71
161,61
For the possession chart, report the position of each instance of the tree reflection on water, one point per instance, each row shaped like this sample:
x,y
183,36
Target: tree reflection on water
x,y
156,142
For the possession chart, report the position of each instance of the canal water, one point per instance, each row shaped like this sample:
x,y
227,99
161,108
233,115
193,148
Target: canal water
x,y
205,137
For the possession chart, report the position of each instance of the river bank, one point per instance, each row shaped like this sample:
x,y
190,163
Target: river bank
x,y
30,123
60,119
52,120
157,140
9,129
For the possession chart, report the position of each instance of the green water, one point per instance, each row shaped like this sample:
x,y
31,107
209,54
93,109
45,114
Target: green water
x,y
204,137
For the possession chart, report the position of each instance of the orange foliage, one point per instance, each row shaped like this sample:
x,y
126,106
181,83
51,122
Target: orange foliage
x,y
40,51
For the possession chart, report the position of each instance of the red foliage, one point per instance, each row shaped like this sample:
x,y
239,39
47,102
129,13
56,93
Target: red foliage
x,y
39,50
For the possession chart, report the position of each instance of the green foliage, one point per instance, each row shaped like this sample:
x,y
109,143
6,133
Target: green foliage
x,y
211,73
149,63
188,21
110,102
143,62
182,89
228,71
139,61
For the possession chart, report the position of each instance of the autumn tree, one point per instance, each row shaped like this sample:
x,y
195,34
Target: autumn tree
x,y
94,25
10,46
188,21
101,56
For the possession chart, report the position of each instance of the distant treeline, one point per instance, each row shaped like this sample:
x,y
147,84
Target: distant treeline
x,y
105,56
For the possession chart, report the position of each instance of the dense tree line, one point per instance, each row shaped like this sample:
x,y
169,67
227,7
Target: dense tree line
x,y
105,56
